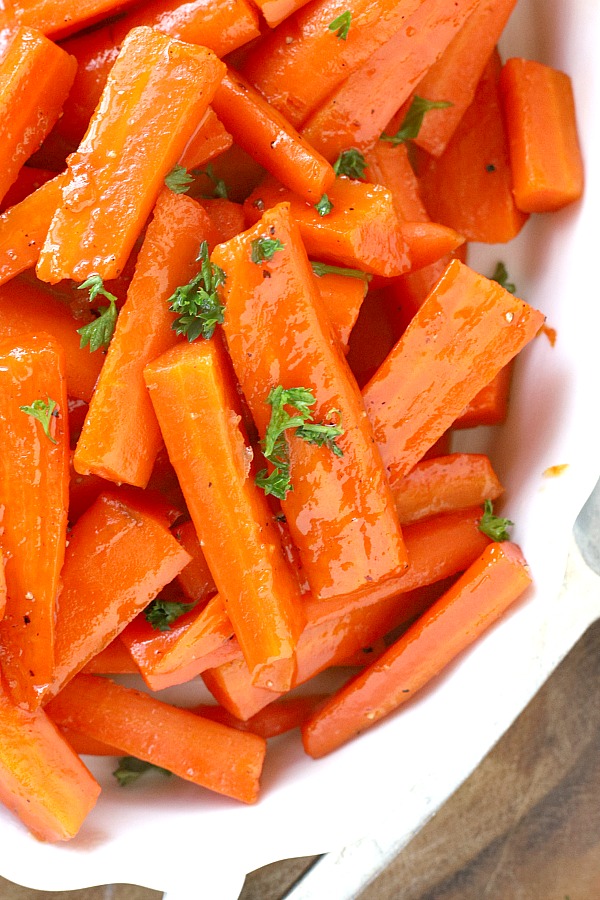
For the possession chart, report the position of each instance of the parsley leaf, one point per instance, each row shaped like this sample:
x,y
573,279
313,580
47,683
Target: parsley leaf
x,y
178,180
341,25
264,249
161,614
197,303
413,119
100,330
501,276
220,188
324,206
275,447
43,412
493,526
320,269
351,163
130,769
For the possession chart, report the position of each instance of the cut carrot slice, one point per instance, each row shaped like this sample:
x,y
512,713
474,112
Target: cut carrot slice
x,y
209,140
23,228
195,580
61,17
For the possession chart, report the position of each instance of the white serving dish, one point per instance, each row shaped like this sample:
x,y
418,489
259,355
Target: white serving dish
x,y
172,836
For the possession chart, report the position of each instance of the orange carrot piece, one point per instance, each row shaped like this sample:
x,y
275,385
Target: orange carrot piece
x,y
275,11
454,77
209,140
262,131
358,111
297,66
118,559
121,437
2,586
61,17
351,537
467,329
222,27
342,297
197,405
275,719
195,580
28,180
545,157
115,659
84,745
220,656
36,76
227,217
23,228
390,166
34,479
490,405
445,484
42,780
469,187
26,308
157,92
479,597
206,753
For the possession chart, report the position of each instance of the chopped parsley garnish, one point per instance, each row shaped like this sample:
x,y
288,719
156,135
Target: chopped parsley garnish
x,y
161,614
275,447
320,269
197,303
351,163
43,412
413,119
493,526
99,332
264,249
501,276
130,769
324,206
178,180
220,188
341,25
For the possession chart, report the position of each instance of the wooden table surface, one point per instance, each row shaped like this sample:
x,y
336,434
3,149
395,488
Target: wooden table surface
x,y
524,826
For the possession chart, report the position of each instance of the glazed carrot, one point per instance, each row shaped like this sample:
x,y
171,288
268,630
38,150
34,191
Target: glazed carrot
x,y
61,17
121,437
545,157
83,745
134,141
41,779
342,297
454,77
297,66
466,330
351,537
2,586
277,718
444,484
28,180
209,140
490,405
34,480
479,597
222,27
113,660
207,753
220,656
195,580
262,131
358,111
118,559
27,307
197,405
275,11
390,166
36,76
469,187
227,217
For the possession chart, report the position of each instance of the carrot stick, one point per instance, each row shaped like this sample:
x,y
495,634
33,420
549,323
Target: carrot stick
x,y
2,586
197,405
489,406
270,140
227,217
133,142
26,308
445,484
469,187
275,11
545,158
454,77
121,437
297,66
83,745
61,17
357,113
34,479
479,597
467,329
28,180
203,752
113,536
41,779
209,140
220,656
390,166
115,659
275,719
351,537
36,76
195,580
342,297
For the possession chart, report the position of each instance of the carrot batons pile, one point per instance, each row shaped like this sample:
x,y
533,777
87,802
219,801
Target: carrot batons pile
x,y
237,328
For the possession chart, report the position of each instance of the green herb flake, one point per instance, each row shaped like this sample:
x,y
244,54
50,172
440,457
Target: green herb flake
x,y
351,163
264,249
501,276
179,180
197,304
99,331
493,526
161,614
43,412
320,269
409,130
341,25
324,206
131,768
